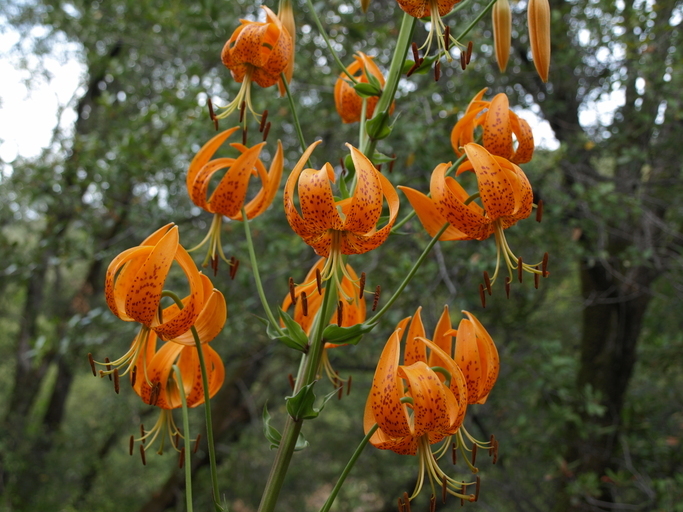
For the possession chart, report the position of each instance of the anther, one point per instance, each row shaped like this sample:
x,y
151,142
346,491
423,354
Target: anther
x,y
474,454
520,269
290,377
210,105
470,45
463,489
544,265
181,458
215,123
406,500
214,265
348,385
266,131
375,302
92,361
482,295
444,488
487,282
106,360
340,312
133,376
413,69
235,264
142,433
401,508
116,380
154,395
319,281
244,134
292,295
437,70
304,303
495,451
463,60
539,210
243,107
264,117
360,293
537,278
340,392
507,286
343,167
142,455
176,439
454,454
492,440
416,53
447,38
196,443
131,445
432,503
392,162
476,489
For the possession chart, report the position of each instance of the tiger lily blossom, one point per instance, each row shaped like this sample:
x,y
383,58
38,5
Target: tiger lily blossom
x,y
434,9
256,52
347,101
346,226
499,124
506,198
230,194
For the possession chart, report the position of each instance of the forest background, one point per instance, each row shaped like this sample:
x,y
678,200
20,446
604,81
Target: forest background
x,y
588,408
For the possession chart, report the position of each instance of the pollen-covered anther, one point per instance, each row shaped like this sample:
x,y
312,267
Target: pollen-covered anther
x,y
437,70
176,439
470,45
243,107
444,489
214,264
142,455
348,385
474,454
432,503
292,295
487,282
209,103
375,302
131,445
340,391
196,443
340,313
319,281
234,265
454,453
544,265
361,286
108,366
482,295
463,489
539,210
181,458
416,52
401,507
507,286
406,500
447,38
264,117
116,381
142,433
520,269
134,376
463,60
304,303
266,131
537,278
476,489
92,361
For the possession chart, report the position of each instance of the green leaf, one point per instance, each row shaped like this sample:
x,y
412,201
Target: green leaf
x,y
273,435
300,406
290,337
380,158
377,127
366,90
345,335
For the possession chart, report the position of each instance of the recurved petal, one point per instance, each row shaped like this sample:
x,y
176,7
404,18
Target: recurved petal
x,y
468,358
204,155
190,369
153,387
387,391
295,221
317,201
497,137
366,204
522,192
200,185
525,139
211,319
415,349
442,339
463,131
488,354
429,215
495,189
270,186
229,196
405,445
430,408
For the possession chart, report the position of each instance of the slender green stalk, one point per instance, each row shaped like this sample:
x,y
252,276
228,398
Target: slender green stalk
x,y
321,29
186,431
292,428
483,13
295,117
257,276
375,319
348,468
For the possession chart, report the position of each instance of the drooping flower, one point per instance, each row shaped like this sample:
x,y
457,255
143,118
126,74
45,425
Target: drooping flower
x,y
434,9
309,300
285,14
347,101
506,198
230,194
538,20
502,32
499,124
346,226
256,52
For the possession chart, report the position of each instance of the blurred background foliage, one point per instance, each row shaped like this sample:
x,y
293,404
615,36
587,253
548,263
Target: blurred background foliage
x,y
588,406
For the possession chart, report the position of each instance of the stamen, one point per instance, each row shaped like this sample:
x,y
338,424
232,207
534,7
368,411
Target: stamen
x,y
416,53
244,133
463,489
495,451
264,117
106,360
401,508
360,293
92,361
392,162
343,168
537,278
444,488
544,265
319,281
447,38
454,454
432,503
292,295
116,380
290,377
176,439
142,433
482,295
520,269
134,376
491,441
413,69
476,489
266,131
340,392
437,70
487,282
214,265
210,105
196,443
348,385
340,311
233,268
406,500
142,455
469,52
463,60
154,395
243,107
474,454
131,445
507,286
375,302
181,458
539,210
215,123
304,303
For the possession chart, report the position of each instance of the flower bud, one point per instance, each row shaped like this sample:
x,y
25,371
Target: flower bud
x,y
502,29
538,19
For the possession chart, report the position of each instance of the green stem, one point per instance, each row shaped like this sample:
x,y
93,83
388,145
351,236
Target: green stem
x,y
207,405
292,428
295,117
186,446
348,468
483,13
257,276
375,319
321,29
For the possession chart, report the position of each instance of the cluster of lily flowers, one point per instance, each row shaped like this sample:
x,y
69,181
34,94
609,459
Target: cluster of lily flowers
x,y
413,406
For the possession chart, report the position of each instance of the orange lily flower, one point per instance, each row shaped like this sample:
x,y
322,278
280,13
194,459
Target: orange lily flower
x,y
353,307
347,101
506,198
256,52
434,9
230,194
347,226
499,124
417,404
